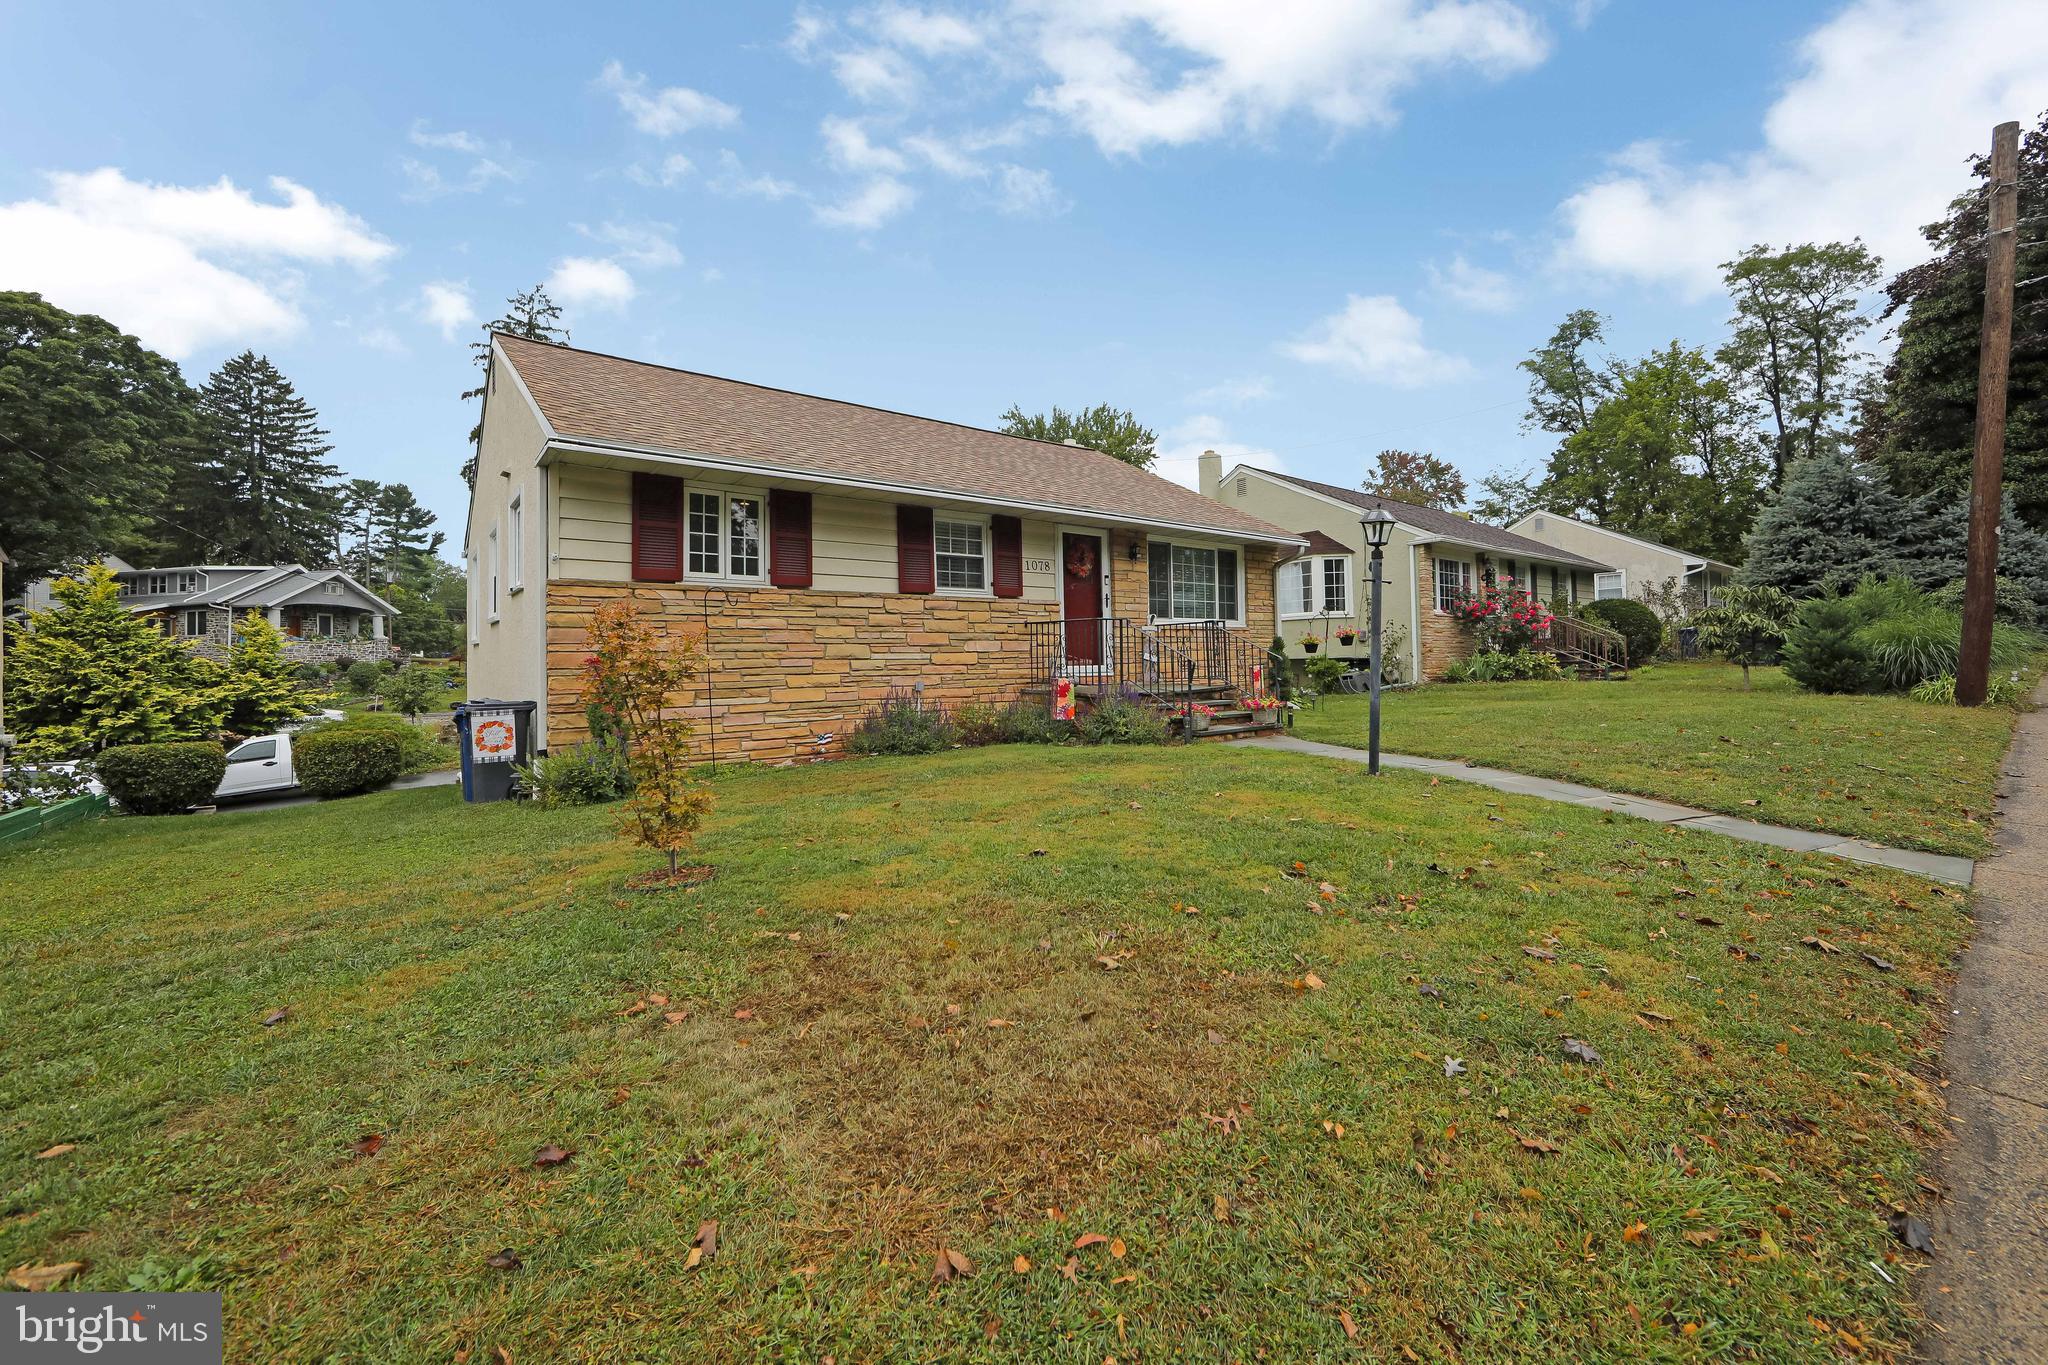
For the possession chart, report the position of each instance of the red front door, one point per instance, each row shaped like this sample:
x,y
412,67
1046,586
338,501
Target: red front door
x,y
1081,570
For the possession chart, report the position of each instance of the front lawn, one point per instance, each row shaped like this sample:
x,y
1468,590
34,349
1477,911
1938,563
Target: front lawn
x,y
1884,768
1075,1015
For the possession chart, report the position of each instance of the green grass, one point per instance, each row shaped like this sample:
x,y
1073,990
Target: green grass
x,y
1884,768
839,1101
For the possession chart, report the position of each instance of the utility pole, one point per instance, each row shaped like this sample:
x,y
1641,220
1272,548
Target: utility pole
x,y
1987,470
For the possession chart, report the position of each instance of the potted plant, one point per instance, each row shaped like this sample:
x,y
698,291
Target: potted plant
x,y
1347,637
1200,718
1311,643
1265,709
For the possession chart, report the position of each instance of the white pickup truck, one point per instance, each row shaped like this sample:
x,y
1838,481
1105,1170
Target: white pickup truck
x,y
258,767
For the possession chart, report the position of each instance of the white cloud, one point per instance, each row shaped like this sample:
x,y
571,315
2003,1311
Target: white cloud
x,y
848,147
1475,286
1848,149
181,268
455,140
869,206
1028,193
591,280
671,171
1377,339
931,33
429,181
667,110
1181,447
875,74
942,155
734,179
1252,388
446,304
644,244
1133,74
381,338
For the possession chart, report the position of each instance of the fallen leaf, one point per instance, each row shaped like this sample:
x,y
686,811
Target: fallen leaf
x,y
1768,1243
1089,1239
637,1007
59,1150
1817,942
1540,954
657,999
367,1144
1344,1321
1635,1232
742,1014
551,1155
1116,1248
1432,992
950,1265
1222,1209
1454,1066
676,1016
1582,1052
506,1259
36,1278
1874,960
277,1016
1538,1145
1073,1264
1022,1265
1002,1023
1701,1237
1109,964
1312,981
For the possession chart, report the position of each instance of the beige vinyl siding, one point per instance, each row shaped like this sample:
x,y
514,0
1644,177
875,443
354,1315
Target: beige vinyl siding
x,y
853,540
508,659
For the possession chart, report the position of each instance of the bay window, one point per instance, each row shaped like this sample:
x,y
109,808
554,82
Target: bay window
x,y
1316,585
722,536
1194,583
1337,586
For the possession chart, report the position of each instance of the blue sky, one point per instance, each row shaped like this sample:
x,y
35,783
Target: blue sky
x,y
1297,232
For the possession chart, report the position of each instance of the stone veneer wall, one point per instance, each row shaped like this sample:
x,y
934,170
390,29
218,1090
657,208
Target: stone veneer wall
x,y
1444,640
789,665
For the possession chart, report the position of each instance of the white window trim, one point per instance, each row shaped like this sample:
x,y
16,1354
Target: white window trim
x,y
185,622
725,495
1319,598
1468,578
497,567
1190,544
476,622
1620,587
988,553
515,519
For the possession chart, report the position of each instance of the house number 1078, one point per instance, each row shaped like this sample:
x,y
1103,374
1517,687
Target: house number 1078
x,y
1038,566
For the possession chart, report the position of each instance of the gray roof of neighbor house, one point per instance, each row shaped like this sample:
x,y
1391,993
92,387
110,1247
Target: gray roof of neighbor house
x,y
635,406
255,586
1434,521
1687,555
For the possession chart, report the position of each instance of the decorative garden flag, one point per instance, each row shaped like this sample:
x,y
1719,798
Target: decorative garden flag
x,y
1063,699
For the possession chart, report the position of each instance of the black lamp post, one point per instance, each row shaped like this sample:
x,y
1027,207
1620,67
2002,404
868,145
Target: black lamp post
x,y
1378,525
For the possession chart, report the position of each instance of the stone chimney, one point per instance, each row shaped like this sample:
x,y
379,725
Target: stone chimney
x,y
1211,480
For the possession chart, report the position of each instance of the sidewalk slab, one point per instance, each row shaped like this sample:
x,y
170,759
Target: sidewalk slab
x,y
1940,867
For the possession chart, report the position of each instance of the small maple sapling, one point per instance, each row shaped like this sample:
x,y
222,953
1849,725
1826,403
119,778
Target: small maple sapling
x,y
634,671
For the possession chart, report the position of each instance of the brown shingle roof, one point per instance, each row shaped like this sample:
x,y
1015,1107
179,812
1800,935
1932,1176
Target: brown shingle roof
x,y
612,401
1321,544
1435,521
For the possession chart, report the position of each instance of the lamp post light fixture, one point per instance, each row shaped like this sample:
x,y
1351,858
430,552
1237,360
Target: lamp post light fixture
x,y
1378,525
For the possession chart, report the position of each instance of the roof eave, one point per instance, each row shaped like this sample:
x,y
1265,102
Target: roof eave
x,y
726,464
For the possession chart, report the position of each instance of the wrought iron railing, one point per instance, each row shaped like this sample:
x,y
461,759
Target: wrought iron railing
x,y
1112,656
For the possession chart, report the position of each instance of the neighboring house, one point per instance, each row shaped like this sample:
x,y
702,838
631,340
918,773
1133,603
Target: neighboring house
x,y
324,613
828,554
1637,568
1432,557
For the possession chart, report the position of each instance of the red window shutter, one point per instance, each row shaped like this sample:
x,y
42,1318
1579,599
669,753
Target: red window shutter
x,y
789,538
914,568
1007,533
657,528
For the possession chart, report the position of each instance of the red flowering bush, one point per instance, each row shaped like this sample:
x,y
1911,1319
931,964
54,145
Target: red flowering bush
x,y
1504,617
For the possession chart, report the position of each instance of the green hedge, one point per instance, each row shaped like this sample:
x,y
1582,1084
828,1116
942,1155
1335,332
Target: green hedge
x,y
162,779
342,760
1636,622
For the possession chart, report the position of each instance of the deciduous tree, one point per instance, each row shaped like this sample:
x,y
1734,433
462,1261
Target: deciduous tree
x,y
1747,626
1112,431
634,673
1412,476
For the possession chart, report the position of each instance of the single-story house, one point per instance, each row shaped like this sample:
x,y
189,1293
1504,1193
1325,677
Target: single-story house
x,y
1637,567
827,553
1432,558
325,614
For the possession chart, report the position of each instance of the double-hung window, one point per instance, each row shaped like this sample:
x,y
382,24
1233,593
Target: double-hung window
x,y
195,622
1194,583
1453,580
1607,586
723,536
1336,586
960,555
1316,585
515,521
1298,588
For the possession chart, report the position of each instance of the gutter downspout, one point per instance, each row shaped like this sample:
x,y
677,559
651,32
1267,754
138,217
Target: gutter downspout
x,y
1415,612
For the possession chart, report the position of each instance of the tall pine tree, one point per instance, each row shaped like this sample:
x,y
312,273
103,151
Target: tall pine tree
x,y
261,489
532,315
1835,520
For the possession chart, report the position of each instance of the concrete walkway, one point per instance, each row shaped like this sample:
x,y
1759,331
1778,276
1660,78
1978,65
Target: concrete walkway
x,y
445,778
1936,866
1986,1293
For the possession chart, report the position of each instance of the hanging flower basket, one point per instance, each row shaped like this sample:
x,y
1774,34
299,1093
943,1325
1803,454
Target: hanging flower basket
x,y
1347,638
1311,643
